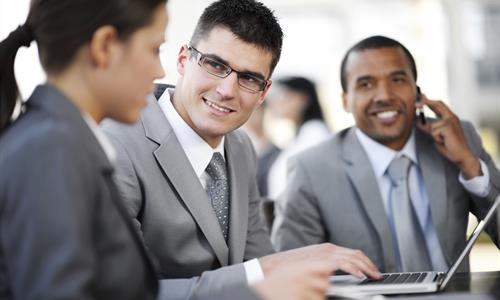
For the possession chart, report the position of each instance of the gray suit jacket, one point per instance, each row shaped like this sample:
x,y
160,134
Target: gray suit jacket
x,y
172,210
332,195
64,234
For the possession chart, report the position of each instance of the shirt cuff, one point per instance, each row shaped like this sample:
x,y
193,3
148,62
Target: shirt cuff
x,y
253,271
479,185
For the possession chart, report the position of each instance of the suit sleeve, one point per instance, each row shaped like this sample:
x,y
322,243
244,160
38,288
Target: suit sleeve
x,y
127,182
238,292
223,283
46,223
258,241
479,205
231,293
298,220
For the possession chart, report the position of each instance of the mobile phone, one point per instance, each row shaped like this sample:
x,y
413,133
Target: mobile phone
x,y
420,111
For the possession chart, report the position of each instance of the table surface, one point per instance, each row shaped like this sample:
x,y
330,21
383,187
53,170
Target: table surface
x,y
476,283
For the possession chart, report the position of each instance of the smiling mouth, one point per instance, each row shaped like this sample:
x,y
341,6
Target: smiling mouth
x,y
388,114
218,107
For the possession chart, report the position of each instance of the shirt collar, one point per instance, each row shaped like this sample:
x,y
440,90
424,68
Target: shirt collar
x,y
381,156
102,139
198,151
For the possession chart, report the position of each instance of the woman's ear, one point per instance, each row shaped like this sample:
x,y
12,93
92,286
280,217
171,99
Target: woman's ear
x,y
104,46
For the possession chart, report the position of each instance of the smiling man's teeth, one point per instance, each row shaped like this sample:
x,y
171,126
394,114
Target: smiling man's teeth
x,y
387,114
215,106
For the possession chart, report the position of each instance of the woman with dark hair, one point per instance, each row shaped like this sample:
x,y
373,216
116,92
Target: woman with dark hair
x,y
64,234
295,100
298,94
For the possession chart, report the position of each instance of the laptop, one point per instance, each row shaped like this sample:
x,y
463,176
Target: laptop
x,y
407,283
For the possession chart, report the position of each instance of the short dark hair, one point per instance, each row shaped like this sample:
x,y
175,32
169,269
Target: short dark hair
x,y
249,20
61,28
375,42
305,86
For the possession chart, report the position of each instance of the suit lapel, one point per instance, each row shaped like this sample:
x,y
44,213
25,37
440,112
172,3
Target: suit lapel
x,y
433,173
173,161
362,177
238,199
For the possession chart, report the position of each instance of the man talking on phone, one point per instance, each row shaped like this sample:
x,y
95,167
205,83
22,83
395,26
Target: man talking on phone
x,y
396,186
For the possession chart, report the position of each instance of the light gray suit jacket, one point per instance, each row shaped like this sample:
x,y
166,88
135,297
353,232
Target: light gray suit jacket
x,y
173,212
332,195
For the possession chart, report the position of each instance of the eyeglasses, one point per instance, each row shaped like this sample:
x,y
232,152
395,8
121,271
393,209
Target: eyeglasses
x,y
215,67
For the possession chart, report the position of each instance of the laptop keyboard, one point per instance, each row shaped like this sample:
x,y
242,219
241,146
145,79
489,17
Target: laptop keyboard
x,y
397,278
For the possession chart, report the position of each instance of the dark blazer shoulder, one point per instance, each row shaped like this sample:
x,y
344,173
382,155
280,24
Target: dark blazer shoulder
x,y
160,88
35,134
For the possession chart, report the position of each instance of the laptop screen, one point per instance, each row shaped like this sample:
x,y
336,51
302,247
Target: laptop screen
x,y
475,234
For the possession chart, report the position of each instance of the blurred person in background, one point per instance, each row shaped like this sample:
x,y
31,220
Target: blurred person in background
x,y
266,150
295,99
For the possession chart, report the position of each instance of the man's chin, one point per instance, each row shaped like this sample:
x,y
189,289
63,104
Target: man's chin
x,y
390,138
217,128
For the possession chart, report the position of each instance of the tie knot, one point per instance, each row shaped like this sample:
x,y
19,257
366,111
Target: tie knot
x,y
398,169
217,167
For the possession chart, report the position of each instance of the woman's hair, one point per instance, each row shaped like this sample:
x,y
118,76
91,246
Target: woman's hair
x,y
61,28
298,84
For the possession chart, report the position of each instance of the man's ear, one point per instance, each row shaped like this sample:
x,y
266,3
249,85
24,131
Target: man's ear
x,y
103,46
182,57
345,103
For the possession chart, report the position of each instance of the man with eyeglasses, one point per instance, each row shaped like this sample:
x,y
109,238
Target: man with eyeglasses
x,y
189,179
249,81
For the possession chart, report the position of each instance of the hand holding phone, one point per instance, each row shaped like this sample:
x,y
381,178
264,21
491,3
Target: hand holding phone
x,y
450,138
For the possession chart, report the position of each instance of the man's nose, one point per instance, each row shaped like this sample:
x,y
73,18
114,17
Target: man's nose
x,y
228,86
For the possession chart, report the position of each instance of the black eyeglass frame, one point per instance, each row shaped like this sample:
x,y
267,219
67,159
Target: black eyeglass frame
x,y
201,58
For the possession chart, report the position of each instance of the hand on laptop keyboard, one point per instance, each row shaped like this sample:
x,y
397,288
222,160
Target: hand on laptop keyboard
x,y
352,261
397,278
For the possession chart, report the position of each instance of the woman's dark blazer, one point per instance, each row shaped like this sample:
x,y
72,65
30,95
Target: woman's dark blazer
x,y
63,232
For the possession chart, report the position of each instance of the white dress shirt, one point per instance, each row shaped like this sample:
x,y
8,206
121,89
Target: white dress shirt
x,y
199,154
381,156
101,137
